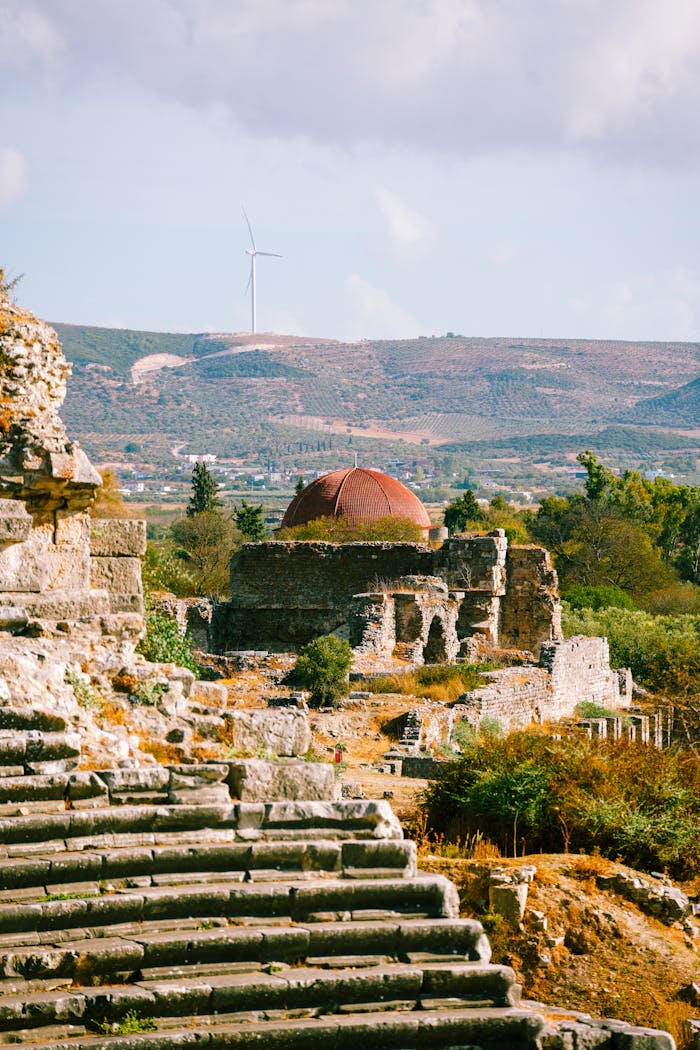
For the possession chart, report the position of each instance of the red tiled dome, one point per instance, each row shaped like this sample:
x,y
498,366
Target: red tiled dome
x,y
358,495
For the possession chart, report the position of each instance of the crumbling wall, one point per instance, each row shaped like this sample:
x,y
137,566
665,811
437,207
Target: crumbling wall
x,y
530,611
285,593
416,622
47,485
569,672
579,669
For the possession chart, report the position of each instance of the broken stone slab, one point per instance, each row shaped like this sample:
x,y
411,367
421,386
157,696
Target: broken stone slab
x,y
144,778
280,732
209,693
509,900
374,817
13,618
117,538
257,780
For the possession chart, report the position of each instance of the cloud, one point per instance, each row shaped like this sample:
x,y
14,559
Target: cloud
x,y
659,306
502,253
412,235
463,76
13,175
374,314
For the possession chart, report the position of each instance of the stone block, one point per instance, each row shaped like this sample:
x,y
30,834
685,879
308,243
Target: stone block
x,y
72,527
118,538
15,522
209,693
280,732
509,901
116,575
255,780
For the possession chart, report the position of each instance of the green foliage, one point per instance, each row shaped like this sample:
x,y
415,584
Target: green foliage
x,y
131,1024
162,569
204,491
250,521
205,542
339,530
589,709
119,348
662,651
322,667
253,364
300,486
165,642
527,792
463,511
147,694
581,596
83,691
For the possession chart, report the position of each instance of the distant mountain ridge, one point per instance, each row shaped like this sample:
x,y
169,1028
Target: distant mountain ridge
x,y
239,395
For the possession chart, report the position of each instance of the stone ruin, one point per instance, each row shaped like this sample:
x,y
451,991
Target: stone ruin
x,y
386,596
236,903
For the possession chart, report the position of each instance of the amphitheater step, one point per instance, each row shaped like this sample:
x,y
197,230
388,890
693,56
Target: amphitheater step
x,y
183,863
134,949
276,821
406,1028
279,988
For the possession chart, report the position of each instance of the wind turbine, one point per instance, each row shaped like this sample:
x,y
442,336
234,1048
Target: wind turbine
x,y
253,253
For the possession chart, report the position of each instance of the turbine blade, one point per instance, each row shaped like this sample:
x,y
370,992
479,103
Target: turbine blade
x,y
250,276
250,229
274,255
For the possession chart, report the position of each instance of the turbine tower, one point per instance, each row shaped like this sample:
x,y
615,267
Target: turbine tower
x,y
253,253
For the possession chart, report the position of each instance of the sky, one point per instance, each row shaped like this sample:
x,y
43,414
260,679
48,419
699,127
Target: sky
x,y
486,167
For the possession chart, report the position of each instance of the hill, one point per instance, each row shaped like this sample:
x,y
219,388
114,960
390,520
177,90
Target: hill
x,y
283,400
680,407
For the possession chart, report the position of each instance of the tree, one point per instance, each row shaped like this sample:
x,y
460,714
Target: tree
x,y
205,542
204,490
109,502
322,667
249,520
463,510
300,485
339,530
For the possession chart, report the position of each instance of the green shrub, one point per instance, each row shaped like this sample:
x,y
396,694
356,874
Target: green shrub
x,y
528,792
148,694
589,709
580,596
322,667
662,651
166,643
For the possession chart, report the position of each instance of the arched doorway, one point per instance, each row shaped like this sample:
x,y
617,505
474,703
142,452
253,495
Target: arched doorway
x,y
434,651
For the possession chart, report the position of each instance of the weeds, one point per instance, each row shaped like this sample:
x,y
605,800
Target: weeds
x,y
83,691
444,682
131,1024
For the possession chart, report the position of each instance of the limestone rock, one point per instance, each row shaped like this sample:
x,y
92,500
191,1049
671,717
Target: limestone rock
x,y
280,732
255,780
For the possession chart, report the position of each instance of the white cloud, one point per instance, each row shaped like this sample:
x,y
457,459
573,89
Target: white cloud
x,y
412,235
661,306
374,314
464,76
28,38
504,252
13,175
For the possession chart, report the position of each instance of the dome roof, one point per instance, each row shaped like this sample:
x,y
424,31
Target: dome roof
x,y
358,495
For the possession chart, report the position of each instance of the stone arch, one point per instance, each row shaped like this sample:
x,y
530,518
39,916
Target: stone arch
x,y
435,648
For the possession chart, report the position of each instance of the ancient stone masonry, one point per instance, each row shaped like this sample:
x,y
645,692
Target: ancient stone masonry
x,y
47,485
568,672
284,594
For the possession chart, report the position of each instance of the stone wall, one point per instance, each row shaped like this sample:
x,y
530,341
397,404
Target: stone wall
x,y
530,612
579,669
116,548
569,673
284,594
47,486
416,623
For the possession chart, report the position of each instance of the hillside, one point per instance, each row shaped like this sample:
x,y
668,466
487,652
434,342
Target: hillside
x,y
680,407
279,398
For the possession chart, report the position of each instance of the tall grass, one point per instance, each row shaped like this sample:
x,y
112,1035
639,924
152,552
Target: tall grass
x,y
445,682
